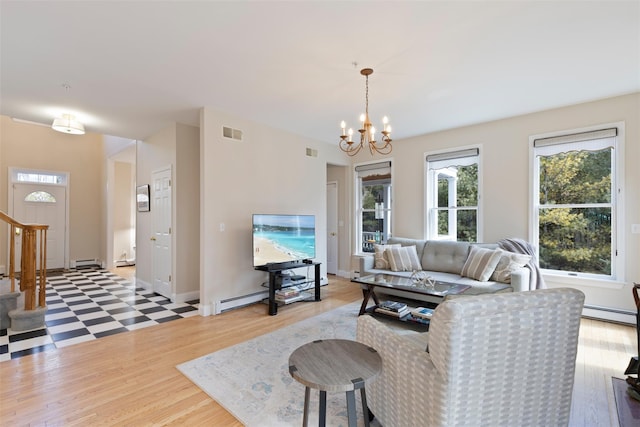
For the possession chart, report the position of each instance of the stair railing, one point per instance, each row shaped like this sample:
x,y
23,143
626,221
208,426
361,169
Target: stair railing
x,y
33,268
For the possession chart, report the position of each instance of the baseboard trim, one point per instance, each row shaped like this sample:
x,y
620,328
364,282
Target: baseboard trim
x,y
609,314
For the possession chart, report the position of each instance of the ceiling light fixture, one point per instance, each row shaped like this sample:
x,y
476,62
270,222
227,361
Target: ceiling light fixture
x,y
367,131
68,124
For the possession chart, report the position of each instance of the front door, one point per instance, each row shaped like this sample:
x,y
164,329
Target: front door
x,y
161,214
42,204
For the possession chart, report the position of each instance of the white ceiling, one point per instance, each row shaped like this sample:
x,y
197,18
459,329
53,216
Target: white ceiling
x,y
136,66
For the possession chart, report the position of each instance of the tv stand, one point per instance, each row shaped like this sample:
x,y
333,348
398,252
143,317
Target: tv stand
x,y
275,270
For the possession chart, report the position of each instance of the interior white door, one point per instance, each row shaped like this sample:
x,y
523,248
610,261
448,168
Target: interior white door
x,y
332,228
161,239
42,204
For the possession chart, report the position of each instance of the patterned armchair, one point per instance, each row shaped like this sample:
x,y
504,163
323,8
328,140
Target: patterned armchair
x,y
495,360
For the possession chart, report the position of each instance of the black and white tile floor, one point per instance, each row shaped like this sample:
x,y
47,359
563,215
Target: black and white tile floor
x,y
86,304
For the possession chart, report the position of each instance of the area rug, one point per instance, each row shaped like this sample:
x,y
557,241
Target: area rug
x,y
252,381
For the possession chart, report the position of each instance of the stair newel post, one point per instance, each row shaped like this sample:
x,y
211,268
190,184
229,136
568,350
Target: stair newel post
x,y
43,268
12,258
28,268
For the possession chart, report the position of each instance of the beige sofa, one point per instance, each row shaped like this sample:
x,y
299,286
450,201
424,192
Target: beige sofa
x,y
451,262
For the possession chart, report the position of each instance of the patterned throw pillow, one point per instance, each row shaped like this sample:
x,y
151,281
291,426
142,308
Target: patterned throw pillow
x,y
403,258
481,263
380,257
509,262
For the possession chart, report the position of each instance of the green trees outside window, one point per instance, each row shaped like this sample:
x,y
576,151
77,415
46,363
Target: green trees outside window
x,y
452,195
457,202
575,211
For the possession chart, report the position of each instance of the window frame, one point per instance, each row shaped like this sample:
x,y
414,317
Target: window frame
x,y
431,191
359,210
617,205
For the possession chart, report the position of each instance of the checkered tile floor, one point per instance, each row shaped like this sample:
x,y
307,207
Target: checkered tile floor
x,y
87,304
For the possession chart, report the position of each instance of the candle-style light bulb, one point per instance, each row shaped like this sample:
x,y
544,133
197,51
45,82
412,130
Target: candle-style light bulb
x,y
389,128
350,135
343,125
385,123
362,117
373,133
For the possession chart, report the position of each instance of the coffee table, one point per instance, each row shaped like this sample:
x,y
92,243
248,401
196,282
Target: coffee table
x,y
335,365
388,281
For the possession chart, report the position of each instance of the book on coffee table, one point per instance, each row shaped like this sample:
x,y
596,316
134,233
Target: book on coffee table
x,y
398,314
392,306
422,312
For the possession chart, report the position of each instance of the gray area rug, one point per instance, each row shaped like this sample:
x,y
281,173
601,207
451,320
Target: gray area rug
x,y
252,381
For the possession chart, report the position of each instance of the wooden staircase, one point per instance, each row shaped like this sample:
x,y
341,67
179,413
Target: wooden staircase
x,y
32,281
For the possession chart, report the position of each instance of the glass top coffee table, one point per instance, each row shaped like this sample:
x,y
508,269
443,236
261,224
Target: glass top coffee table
x,y
388,281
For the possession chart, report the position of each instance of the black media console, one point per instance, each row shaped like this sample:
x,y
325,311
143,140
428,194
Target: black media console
x,y
275,272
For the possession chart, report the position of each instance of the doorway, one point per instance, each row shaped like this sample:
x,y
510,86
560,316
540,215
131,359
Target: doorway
x,y
161,206
332,227
40,197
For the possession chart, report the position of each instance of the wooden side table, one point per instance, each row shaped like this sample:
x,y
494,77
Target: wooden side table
x,y
335,365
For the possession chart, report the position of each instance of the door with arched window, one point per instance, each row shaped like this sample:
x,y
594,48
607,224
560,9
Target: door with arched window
x,y
43,204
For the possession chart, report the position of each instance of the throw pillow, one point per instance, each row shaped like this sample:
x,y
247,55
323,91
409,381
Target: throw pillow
x,y
404,258
381,260
509,262
481,263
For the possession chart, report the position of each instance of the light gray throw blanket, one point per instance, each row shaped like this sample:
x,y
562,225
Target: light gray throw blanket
x,y
536,281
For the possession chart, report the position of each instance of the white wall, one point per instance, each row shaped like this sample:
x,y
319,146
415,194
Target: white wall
x,y
187,211
506,180
267,172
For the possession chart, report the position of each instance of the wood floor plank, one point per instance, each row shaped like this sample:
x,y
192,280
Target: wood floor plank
x,y
131,378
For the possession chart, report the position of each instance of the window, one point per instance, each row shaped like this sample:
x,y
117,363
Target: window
x,y
38,177
452,194
575,203
373,183
40,197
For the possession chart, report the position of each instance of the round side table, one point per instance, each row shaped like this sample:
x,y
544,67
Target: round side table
x,y
335,365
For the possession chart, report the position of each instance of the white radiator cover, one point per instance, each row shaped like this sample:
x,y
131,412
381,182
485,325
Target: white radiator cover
x,y
236,302
609,314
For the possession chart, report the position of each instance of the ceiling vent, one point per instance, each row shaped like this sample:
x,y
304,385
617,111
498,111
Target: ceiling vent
x,y
311,152
231,133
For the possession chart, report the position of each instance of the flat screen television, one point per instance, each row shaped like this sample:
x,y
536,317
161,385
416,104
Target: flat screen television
x,y
282,239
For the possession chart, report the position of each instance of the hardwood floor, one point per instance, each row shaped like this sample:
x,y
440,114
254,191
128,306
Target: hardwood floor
x,y
131,379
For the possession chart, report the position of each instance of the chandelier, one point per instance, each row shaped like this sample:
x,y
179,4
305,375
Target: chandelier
x,y
367,131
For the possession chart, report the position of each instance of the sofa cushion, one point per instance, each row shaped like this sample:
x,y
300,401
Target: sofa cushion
x,y
509,262
445,256
404,241
381,259
481,263
403,259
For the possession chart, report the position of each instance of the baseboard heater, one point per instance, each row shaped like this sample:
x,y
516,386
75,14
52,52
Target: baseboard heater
x,y
241,301
85,262
609,314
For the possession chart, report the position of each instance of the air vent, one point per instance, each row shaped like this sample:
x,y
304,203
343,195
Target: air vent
x,y
311,152
231,133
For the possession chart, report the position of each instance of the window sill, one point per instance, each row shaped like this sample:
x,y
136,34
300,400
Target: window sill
x,y
583,281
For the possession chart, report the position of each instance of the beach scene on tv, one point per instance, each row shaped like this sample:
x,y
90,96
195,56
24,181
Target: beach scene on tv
x,y
282,238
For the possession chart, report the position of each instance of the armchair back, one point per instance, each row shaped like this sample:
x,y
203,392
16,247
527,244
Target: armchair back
x,y
500,360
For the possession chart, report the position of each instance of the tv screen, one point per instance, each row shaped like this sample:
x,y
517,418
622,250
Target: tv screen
x,y
283,238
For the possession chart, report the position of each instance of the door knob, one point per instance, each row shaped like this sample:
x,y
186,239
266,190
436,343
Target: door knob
x,y
153,238
333,234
